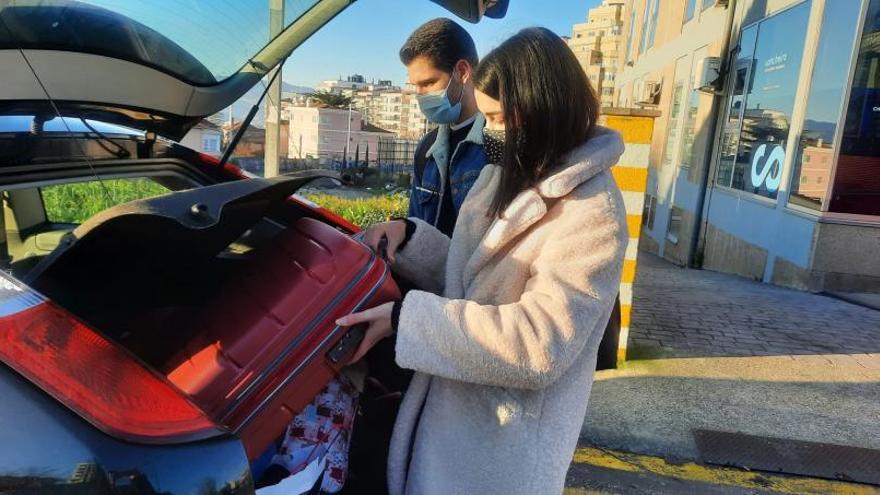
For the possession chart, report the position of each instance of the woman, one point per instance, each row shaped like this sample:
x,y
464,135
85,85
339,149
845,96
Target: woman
x,y
503,336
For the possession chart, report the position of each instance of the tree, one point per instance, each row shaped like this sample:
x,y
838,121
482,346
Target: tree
x,y
326,99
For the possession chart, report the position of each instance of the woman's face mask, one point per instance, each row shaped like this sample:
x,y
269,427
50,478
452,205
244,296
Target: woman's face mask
x,y
437,106
493,145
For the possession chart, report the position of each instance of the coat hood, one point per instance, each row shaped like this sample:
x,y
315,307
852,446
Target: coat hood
x,y
595,155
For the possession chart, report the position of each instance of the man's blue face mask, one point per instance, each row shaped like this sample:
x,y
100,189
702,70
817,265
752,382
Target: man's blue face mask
x,y
438,108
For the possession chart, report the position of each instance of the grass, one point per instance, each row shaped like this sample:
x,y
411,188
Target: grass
x,y
75,203
364,212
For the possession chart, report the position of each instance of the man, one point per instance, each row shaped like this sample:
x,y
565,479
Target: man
x,y
440,57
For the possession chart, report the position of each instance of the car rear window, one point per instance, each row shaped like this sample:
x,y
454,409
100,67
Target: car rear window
x,y
76,202
201,42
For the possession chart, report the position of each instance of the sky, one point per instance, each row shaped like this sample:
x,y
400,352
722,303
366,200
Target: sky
x,y
365,38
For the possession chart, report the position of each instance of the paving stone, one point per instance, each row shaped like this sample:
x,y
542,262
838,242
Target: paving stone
x,y
697,312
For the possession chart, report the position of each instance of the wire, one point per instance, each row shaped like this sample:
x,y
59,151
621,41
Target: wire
x,y
64,121
120,152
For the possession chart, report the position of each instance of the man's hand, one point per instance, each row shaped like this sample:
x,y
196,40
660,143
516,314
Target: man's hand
x,y
379,320
394,231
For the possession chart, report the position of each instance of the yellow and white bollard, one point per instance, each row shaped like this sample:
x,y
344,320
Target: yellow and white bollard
x,y
631,173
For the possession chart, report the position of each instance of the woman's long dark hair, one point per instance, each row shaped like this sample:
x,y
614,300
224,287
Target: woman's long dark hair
x,y
549,106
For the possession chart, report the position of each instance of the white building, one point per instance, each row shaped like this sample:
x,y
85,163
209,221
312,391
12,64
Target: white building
x,y
323,133
206,137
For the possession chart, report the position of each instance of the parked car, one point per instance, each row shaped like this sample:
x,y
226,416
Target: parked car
x,y
93,95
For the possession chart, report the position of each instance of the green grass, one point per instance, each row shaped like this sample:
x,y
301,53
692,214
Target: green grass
x,y
363,212
75,203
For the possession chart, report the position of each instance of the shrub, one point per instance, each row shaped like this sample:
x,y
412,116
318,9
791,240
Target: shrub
x,y
363,212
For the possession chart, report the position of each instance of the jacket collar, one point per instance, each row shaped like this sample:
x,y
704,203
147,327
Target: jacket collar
x,y
440,149
594,156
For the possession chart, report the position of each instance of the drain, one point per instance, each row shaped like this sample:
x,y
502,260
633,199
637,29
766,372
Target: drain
x,y
782,455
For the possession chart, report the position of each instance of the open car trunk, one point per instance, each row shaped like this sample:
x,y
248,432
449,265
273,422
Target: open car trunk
x,y
229,290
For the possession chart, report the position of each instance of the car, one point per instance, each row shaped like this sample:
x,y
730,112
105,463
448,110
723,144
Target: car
x,y
93,98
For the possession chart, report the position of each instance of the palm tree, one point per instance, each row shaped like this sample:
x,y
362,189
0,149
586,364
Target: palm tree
x,y
326,99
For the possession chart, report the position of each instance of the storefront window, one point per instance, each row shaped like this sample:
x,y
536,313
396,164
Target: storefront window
x,y
815,157
769,76
857,179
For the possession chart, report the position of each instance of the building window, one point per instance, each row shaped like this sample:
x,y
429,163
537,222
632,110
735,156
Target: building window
x,y
673,230
857,179
690,9
632,30
649,211
812,165
675,111
708,3
765,75
211,143
646,20
652,26
689,127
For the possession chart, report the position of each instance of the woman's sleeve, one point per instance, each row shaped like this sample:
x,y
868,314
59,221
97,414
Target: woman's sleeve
x,y
422,260
529,343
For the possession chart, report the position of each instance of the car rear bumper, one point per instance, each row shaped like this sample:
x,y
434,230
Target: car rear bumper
x,y
45,448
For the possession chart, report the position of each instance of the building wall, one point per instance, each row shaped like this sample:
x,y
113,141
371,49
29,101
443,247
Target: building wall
x,y
751,228
322,133
198,136
681,135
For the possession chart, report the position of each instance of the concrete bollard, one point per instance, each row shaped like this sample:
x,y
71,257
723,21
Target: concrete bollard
x,y
631,174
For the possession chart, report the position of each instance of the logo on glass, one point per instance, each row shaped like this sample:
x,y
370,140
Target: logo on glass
x,y
768,174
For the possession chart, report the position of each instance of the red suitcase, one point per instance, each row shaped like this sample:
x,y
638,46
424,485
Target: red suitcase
x,y
256,346
269,343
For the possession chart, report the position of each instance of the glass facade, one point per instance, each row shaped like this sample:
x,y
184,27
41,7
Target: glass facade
x,y
814,162
766,77
856,186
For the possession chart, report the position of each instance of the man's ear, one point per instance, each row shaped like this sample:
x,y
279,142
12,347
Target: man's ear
x,y
464,70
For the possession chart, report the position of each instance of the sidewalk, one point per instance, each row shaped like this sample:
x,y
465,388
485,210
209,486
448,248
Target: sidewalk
x,y
717,352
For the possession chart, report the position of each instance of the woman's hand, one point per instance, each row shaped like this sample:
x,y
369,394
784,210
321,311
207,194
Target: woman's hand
x,y
379,320
394,231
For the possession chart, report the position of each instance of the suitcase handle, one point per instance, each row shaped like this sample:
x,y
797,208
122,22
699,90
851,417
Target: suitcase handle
x,y
347,345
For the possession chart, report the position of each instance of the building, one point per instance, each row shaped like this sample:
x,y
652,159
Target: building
x,y
206,137
596,44
252,142
327,134
770,167
392,108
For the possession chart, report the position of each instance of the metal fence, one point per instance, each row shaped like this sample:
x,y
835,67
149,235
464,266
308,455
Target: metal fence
x,y
393,163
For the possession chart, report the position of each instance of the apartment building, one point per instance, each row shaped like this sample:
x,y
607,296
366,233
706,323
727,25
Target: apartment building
x,y
596,44
327,133
766,159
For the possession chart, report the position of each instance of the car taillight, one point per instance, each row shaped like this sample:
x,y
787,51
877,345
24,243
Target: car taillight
x,y
91,375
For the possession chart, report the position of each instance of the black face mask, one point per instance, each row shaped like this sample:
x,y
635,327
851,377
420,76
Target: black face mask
x,y
493,145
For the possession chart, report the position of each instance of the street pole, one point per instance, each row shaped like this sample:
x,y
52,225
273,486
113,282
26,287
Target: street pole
x,y
273,98
348,134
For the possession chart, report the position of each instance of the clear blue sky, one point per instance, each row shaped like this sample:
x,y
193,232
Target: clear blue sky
x,y
365,38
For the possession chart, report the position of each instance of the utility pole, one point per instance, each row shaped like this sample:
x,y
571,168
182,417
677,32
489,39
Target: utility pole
x,y
348,134
273,98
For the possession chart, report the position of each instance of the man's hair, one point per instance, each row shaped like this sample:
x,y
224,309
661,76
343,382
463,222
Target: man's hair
x,y
443,42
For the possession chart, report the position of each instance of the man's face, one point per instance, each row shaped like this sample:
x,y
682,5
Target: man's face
x,y
425,76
